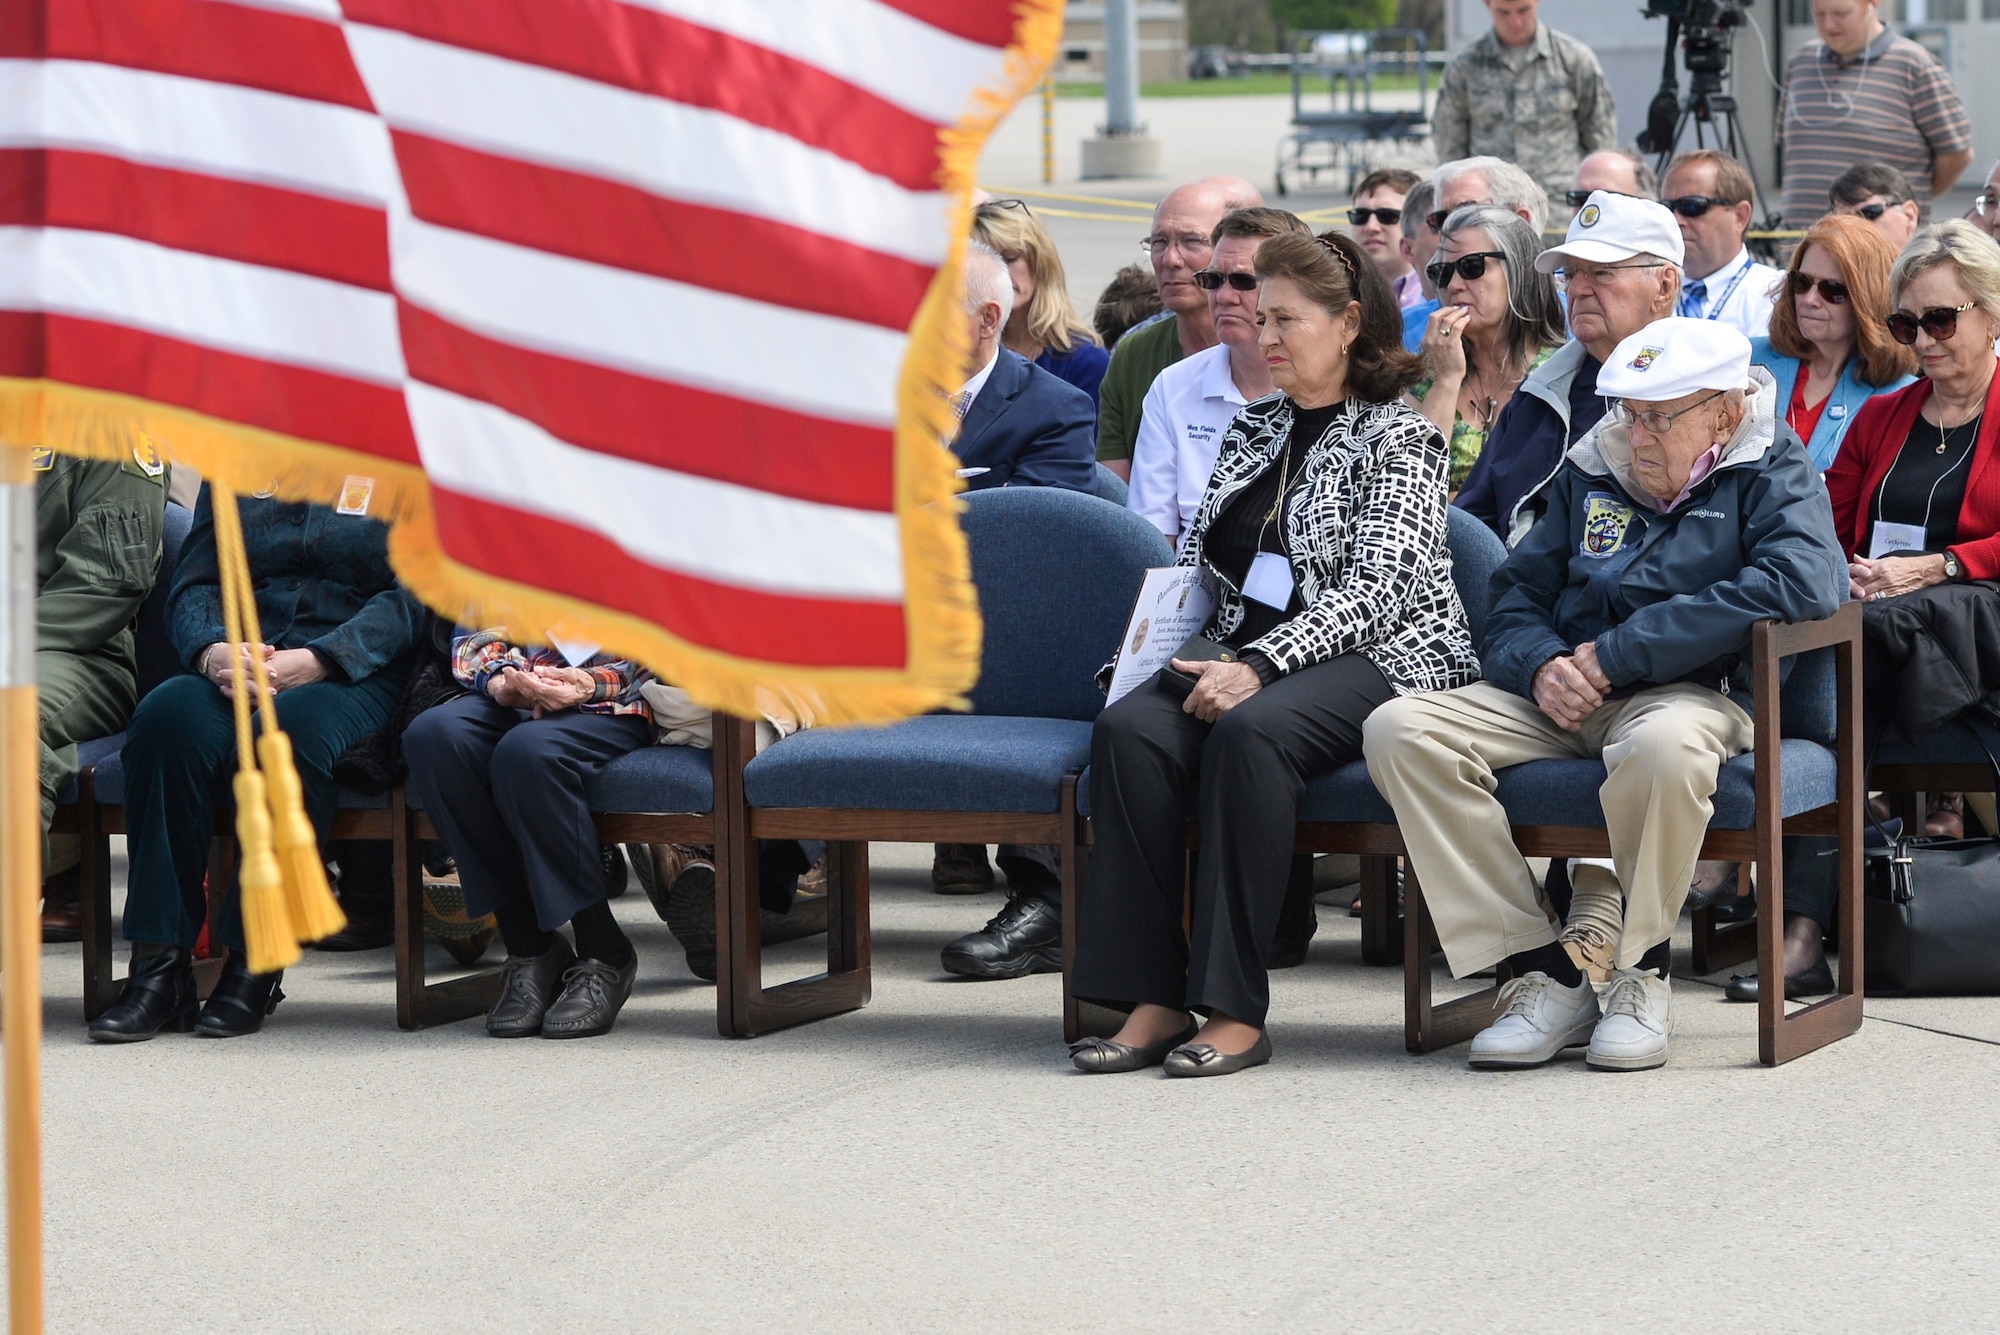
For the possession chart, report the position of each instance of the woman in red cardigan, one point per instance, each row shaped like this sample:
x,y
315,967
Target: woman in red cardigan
x,y
1916,502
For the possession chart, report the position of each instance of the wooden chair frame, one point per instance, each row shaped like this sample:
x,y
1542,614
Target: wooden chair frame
x,y
746,1007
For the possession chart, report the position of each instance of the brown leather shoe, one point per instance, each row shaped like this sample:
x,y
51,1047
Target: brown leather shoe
x,y
62,907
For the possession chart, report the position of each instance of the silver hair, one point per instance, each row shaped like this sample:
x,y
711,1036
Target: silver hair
x,y
1512,188
986,279
1421,199
1966,248
1534,312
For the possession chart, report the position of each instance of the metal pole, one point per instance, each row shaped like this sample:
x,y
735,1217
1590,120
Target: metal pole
x,y
20,891
1121,67
1049,130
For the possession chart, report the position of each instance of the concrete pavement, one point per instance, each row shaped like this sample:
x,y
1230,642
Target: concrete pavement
x,y
931,1162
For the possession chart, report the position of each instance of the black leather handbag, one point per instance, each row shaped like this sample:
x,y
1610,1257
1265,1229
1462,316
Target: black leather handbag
x,y
1930,910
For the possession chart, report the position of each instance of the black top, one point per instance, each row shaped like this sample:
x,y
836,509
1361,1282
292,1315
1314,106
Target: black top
x,y
1253,521
1925,487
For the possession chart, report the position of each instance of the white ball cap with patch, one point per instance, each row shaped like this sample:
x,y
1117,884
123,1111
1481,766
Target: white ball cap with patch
x,y
1673,358
1611,228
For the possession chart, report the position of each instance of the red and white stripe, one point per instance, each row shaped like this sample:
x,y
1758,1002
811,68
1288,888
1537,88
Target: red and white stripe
x,y
629,278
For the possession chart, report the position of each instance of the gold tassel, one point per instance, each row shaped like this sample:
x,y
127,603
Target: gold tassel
x,y
267,928
314,912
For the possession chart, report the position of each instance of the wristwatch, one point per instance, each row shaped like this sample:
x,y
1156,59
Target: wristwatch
x,y
1953,571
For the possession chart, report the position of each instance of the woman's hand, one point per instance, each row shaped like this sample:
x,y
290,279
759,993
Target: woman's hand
x,y
293,667
1222,687
1888,576
1444,347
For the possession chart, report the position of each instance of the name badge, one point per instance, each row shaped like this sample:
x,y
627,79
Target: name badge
x,y
1887,538
1269,581
355,493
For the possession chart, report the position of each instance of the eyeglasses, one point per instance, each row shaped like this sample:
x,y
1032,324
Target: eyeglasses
x,y
1020,204
1693,206
1595,275
1190,243
1831,290
1387,217
1940,322
1469,267
1656,422
1209,279
1435,218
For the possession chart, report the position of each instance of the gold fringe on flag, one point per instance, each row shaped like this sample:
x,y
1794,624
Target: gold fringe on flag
x,y
942,611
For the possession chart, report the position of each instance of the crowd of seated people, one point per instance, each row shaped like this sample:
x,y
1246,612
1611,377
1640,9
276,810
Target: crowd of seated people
x,y
1294,413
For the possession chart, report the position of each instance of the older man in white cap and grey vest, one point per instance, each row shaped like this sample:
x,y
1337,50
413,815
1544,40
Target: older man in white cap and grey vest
x,y
1620,631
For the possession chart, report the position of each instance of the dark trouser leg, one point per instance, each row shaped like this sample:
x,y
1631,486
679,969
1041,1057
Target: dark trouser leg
x,y
1032,869
179,745
780,863
1143,756
537,773
1253,769
450,753
323,720
78,699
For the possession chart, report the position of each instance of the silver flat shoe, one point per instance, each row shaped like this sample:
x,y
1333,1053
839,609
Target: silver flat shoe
x,y
1192,1059
1100,1056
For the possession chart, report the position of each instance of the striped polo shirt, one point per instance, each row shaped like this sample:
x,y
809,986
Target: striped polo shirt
x,y
1893,103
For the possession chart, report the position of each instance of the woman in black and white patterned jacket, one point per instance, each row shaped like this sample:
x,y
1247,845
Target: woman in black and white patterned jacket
x,y
1322,533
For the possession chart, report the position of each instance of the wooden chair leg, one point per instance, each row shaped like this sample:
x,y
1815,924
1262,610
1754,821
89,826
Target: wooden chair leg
x,y
1074,860
419,1003
1782,1037
100,989
1426,1026
1382,927
1721,945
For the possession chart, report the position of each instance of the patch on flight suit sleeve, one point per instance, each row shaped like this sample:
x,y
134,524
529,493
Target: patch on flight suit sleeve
x,y
146,460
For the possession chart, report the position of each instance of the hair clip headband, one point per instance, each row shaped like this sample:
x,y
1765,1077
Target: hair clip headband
x,y
1340,255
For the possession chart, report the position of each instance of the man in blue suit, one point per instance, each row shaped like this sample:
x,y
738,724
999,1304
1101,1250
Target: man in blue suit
x,y
1019,425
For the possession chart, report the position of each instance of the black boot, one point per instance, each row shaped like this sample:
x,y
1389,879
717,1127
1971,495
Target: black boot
x,y
159,994
240,1001
1298,920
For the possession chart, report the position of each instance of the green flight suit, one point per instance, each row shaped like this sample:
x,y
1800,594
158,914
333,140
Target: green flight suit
x,y
97,539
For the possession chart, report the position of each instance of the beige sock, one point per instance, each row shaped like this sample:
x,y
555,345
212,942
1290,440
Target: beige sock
x,y
1596,916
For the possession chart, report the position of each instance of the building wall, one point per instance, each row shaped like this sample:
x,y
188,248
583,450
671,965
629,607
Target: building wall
x,y
1162,41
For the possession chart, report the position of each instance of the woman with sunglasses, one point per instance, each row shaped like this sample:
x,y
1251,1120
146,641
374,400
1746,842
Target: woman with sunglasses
x,y
1323,532
1045,327
1497,320
1829,347
1916,504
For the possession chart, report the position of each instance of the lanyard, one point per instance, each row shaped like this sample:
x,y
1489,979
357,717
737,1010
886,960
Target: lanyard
x,y
1715,307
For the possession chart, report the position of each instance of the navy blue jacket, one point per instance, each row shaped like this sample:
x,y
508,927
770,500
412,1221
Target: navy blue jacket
x,y
322,582
1668,597
1554,406
1028,428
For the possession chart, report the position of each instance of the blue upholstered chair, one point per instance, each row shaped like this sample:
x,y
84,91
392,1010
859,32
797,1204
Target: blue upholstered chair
x,y
1056,572
655,795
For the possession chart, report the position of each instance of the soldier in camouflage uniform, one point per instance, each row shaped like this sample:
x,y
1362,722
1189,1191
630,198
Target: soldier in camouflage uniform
x,y
1527,94
97,538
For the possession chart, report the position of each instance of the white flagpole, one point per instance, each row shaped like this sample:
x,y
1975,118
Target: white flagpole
x,y
20,891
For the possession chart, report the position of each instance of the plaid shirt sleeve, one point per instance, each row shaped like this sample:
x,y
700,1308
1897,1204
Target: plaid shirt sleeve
x,y
616,682
477,655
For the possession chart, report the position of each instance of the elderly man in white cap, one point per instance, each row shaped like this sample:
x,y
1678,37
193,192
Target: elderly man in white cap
x,y
1620,631
1621,266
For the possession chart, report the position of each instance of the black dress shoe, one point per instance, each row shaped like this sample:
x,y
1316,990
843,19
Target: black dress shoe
x,y
158,995
961,869
593,994
1100,1056
240,1001
528,983
1024,937
690,915
1815,980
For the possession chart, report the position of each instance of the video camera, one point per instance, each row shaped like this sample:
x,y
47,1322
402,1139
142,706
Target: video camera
x,y
1704,30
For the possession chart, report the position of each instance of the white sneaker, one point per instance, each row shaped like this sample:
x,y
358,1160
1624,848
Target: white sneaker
x,y
1542,1018
1632,1036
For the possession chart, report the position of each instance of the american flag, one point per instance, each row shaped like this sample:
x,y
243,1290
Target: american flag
x,y
632,314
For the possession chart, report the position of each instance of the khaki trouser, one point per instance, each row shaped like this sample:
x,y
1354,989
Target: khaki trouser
x,y
1434,757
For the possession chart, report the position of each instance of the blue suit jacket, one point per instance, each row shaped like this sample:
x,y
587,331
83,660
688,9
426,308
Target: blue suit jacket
x,y
1028,428
1842,404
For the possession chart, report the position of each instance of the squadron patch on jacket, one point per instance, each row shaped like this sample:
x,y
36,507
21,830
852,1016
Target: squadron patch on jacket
x,y
43,458
1605,522
147,455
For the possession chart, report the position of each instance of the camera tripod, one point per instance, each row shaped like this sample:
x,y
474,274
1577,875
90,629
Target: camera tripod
x,y
1711,110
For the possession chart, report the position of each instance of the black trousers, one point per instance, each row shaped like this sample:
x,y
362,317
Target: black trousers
x,y
505,791
1244,775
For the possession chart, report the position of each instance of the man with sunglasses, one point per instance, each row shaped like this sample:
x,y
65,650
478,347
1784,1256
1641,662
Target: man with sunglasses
x,y
1527,94
1621,268
1620,632
1376,221
1710,194
1880,195
1177,247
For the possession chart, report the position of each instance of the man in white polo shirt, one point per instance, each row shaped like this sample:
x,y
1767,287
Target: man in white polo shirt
x,y
1192,402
